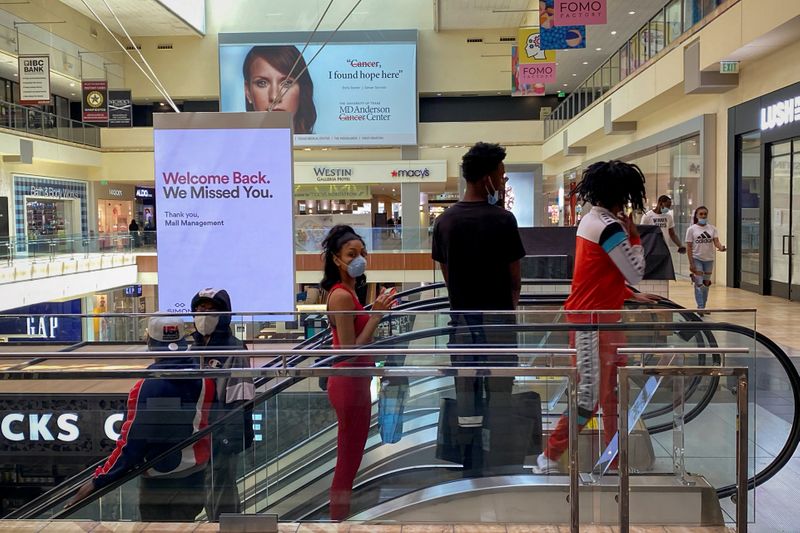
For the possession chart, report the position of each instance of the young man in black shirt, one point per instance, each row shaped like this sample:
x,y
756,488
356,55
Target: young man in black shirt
x,y
477,245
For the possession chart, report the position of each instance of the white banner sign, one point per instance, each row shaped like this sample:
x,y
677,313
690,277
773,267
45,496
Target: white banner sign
x,y
371,172
34,80
224,209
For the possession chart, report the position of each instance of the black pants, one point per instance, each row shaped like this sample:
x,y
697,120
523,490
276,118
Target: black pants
x,y
478,397
172,500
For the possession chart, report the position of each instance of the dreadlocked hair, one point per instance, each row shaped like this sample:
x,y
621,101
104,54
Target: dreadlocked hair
x,y
612,183
332,245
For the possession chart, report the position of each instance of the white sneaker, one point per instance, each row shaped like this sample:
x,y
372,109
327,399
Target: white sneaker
x,y
545,466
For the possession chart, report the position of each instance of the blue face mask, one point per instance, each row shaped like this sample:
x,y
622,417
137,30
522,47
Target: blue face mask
x,y
702,221
664,210
357,267
492,197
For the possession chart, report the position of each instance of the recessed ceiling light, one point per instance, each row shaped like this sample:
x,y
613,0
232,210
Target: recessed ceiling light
x,y
556,64
566,84
498,92
573,74
15,74
72,84
72,94
438,94
614,32
631,12
585,62
599,49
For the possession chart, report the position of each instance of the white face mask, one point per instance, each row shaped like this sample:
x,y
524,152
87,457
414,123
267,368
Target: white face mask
x,y
206,324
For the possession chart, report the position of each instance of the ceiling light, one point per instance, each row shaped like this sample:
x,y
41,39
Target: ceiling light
x,y
72,94
438,94
566,84
614,32
631,12
599,49
72,84
498,92
585,62
15,74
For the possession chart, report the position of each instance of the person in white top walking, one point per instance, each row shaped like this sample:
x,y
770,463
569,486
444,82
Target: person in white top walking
x,y
701,245
661,216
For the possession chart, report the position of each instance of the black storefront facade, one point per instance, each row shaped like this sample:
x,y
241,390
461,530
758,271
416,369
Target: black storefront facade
x,y
764,194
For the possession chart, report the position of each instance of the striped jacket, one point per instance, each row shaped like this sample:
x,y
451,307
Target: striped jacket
x,y
160,414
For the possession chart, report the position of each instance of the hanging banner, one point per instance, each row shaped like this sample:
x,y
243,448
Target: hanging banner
x,y
585,12
558,38
95,100
224,179
531,74
120,108
529,47
34,80
518,88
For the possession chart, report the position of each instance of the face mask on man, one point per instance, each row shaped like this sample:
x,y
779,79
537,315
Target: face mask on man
x,y
206,324
492,197
357,267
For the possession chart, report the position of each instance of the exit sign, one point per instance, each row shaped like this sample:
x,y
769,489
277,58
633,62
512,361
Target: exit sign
x,y
729,67
562,94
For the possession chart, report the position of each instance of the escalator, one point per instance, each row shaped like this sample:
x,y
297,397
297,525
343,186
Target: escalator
x,y
293,482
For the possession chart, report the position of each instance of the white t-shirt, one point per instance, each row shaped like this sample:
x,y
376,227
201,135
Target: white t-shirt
x,y
665,222
702,239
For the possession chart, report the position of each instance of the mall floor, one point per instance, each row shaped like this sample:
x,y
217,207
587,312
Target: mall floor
x,y
779,319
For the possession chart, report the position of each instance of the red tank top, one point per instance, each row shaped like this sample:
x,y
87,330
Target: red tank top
x,y
361,320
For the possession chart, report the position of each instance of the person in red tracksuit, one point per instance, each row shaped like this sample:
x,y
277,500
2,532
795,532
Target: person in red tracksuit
x,y
345,262
608,256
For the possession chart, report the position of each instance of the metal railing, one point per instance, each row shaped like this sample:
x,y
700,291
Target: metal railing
x,y
741,375
676,18
284,371
37,122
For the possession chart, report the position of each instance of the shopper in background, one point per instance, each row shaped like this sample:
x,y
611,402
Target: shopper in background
x,y
702,242
608,257
477,245
213,332
160,414
133,229
661,216
344,255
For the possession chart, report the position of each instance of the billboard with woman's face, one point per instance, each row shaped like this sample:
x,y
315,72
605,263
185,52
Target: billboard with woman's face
x,y
359,89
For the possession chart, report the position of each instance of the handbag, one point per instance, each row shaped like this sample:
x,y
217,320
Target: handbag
x,y
447,442
511,434
391,405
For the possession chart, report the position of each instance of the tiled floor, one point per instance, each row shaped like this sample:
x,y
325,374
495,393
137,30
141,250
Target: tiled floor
x,y
127,527
777,318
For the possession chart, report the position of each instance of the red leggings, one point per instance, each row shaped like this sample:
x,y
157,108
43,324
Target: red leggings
x,y
351,399
606,360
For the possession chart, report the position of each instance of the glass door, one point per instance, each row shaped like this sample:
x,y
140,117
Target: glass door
x,y
794,236
785,220
749,219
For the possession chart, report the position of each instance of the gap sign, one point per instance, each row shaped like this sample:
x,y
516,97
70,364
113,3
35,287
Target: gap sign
x,y
579,12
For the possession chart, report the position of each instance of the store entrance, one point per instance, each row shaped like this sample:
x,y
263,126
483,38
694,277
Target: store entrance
x,y
784,226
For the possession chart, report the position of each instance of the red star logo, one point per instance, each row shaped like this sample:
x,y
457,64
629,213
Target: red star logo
x,y
394,173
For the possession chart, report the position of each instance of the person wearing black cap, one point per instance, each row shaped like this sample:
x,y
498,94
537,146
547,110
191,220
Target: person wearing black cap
x,y
161,413
213,332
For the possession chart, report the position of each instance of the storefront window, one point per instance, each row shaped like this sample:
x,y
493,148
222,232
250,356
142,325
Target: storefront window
x,y
674,169
749,219
48,218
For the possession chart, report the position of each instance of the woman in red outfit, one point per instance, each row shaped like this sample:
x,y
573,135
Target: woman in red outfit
x,y
345,261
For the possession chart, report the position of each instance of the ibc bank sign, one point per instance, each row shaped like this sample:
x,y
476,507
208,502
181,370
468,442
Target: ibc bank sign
x,y
579,12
